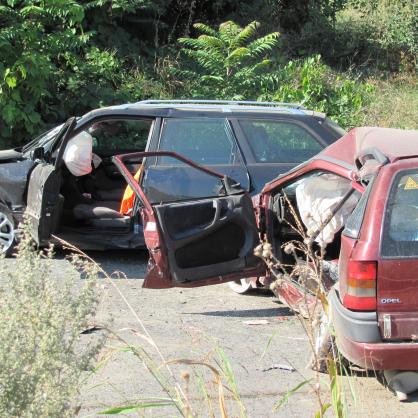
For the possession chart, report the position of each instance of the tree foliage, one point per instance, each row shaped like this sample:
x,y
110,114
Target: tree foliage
x,y
232,62
60,58
49,67
36,40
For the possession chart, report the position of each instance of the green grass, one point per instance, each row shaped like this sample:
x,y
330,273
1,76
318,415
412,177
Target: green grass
x,y
394,104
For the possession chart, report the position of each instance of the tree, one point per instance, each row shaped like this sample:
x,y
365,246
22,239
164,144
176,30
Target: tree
x,y
50,68
229,63
36,38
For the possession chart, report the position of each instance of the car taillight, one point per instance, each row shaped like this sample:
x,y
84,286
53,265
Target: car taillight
x,y
361,286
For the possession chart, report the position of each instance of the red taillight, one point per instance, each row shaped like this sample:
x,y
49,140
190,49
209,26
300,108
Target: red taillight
x,y
361,286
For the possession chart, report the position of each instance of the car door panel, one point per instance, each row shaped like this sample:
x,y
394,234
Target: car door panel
x,y
199,241
43,202
209,237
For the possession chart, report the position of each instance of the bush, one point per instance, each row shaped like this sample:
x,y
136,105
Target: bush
x,y
316,86
41,318
381,32
394,103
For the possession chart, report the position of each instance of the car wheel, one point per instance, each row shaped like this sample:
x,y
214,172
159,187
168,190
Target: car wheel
x,y
240,286
7,231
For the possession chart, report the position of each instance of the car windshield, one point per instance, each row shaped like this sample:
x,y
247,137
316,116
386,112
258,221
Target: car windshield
x,y
42,139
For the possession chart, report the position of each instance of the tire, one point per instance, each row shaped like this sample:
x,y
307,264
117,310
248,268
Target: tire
x,y
7,231
240,286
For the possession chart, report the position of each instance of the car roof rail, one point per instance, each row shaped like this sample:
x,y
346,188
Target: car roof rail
x,y
223,102
371,154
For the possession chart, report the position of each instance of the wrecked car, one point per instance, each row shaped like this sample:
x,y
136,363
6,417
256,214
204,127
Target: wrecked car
x,y
68,185
357,199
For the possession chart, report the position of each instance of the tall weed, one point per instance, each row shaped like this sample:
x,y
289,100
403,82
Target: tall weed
x,y
41,317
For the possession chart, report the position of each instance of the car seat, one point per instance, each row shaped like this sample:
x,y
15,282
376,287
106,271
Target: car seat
x,y
97,210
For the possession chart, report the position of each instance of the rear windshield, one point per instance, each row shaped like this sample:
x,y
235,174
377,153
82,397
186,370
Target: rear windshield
x,y
400,230
279,141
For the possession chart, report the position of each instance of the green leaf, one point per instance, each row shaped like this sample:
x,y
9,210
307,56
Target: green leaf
x,y
238,53
136,407
288,394
11,81
322,411
9,113
34,117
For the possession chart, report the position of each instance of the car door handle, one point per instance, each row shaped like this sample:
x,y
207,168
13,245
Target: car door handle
x,y
200,232
218,207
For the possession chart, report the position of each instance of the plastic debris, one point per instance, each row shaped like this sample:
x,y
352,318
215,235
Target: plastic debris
x,y
281,367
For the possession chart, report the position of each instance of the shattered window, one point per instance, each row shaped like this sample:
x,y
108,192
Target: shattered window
x,y
400,231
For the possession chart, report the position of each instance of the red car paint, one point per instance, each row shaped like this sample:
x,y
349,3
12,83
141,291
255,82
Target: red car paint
x,y
380,356
397,279
158,274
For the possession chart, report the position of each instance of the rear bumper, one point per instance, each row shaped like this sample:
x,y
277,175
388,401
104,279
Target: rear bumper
x,y
380,356
358,338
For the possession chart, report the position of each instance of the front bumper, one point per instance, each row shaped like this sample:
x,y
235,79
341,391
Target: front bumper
x,y
358,338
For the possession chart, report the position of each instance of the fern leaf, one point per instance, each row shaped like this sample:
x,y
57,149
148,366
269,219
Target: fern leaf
x,y
238,53
264,44
205,29
228,31
247,33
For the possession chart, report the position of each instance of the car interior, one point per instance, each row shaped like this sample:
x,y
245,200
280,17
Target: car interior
x,y
91,196
316,205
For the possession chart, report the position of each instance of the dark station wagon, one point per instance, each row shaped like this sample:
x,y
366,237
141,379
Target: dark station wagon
x,y
80,202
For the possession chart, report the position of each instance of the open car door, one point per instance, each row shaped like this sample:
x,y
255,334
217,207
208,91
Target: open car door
x,y
199,226
43,201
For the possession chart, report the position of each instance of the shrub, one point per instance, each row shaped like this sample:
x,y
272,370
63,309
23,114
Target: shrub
x,y
316,86
41,318
381,33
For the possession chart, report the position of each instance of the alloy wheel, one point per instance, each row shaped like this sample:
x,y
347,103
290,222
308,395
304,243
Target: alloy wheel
x,y
240,286
7,233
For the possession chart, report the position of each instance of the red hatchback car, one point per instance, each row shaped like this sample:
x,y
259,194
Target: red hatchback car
x,y
206,231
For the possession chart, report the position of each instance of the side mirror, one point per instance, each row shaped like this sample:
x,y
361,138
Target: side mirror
x,y
38,154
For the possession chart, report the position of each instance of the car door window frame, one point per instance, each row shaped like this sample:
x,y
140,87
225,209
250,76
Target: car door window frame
x,y
246,144
165,270
120,160
230,132
154,144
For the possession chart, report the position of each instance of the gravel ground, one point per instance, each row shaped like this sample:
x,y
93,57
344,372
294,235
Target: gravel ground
x,y
190,324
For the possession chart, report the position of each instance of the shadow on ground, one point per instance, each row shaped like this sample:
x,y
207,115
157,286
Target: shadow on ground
x,y
249,313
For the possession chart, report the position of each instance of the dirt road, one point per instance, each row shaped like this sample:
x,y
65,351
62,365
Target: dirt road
x,y
190,324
